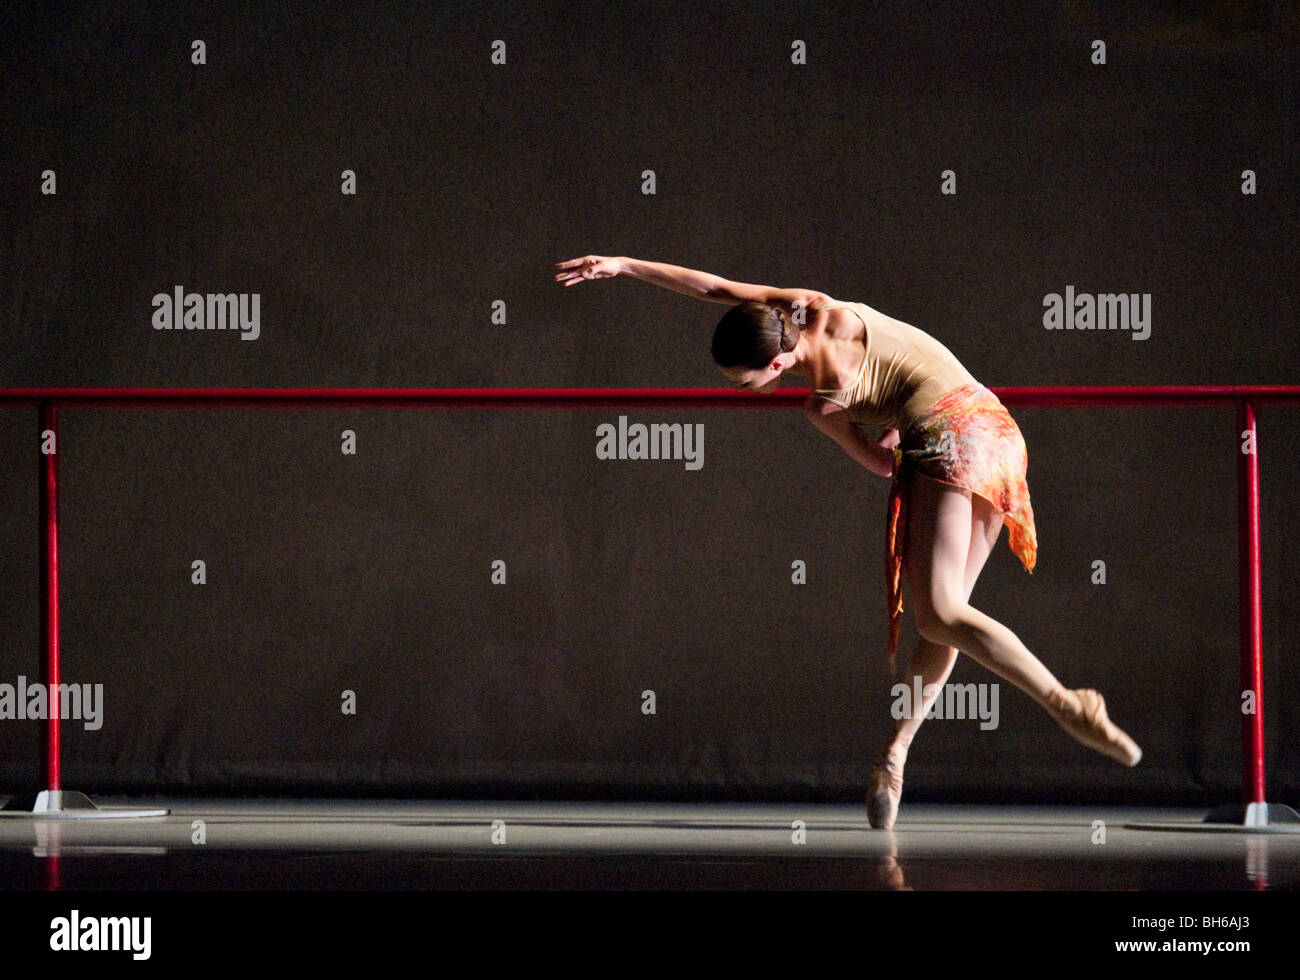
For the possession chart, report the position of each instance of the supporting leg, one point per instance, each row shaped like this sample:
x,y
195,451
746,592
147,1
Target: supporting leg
x,y
933,663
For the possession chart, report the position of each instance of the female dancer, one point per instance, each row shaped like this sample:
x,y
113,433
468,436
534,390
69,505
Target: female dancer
x,y
957,475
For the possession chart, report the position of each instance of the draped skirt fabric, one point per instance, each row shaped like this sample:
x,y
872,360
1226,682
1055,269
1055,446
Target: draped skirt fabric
x,y
967,439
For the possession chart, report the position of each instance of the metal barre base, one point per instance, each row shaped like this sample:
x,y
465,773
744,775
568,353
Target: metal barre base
x,y
54,804
1248,818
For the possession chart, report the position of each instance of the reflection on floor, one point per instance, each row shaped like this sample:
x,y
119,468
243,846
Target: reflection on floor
x,y
398,845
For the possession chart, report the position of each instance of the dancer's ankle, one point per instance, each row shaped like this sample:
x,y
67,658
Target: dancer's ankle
x,y
1058,697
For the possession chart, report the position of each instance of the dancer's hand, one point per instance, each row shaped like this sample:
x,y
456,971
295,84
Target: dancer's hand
x,y
588,267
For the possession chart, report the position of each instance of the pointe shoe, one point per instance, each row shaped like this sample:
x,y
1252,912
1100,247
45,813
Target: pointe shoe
x,y
1082,713
885,789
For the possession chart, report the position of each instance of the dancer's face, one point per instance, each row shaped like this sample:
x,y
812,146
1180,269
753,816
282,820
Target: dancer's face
x,y
761,380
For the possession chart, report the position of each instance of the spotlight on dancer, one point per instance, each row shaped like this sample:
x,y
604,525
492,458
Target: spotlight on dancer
x,y
956,462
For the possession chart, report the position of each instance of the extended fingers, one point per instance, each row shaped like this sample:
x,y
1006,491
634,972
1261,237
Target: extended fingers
x,y
577,275
572,272
572,262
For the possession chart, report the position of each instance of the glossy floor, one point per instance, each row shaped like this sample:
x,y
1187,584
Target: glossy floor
x,y
399,845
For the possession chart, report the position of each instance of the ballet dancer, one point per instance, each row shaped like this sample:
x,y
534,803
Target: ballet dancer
x,y
957,475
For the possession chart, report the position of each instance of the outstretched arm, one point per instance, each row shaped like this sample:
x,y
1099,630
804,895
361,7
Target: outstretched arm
x,y
688,282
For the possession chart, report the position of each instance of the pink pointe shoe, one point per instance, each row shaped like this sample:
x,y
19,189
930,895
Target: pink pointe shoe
x,y
1082,713
885,789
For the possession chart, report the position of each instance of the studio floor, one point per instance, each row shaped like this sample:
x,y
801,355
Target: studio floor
x,y
267,844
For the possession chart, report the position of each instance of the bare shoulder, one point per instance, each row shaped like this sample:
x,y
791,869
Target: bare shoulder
x,y
791,301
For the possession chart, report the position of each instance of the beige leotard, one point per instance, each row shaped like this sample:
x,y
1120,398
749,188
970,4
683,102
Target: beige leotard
x,y
904,371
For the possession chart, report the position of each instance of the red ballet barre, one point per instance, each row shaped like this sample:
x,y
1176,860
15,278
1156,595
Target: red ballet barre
x,y
1044,397
1254,813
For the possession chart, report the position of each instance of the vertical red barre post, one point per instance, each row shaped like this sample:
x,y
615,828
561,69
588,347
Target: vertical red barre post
x,y
54,801
50,568
1251,615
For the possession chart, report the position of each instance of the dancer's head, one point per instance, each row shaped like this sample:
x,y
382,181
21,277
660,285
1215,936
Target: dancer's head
x,y
753,344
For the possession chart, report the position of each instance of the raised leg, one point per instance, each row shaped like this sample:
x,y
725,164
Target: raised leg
x,y
937,546
938,539
949,537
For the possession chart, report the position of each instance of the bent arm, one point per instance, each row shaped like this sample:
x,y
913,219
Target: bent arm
x,y
711,288
878,457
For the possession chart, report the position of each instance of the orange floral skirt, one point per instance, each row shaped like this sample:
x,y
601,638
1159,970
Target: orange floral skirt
x,y
967,439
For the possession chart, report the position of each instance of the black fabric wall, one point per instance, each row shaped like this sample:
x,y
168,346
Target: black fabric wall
x,y
371,573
